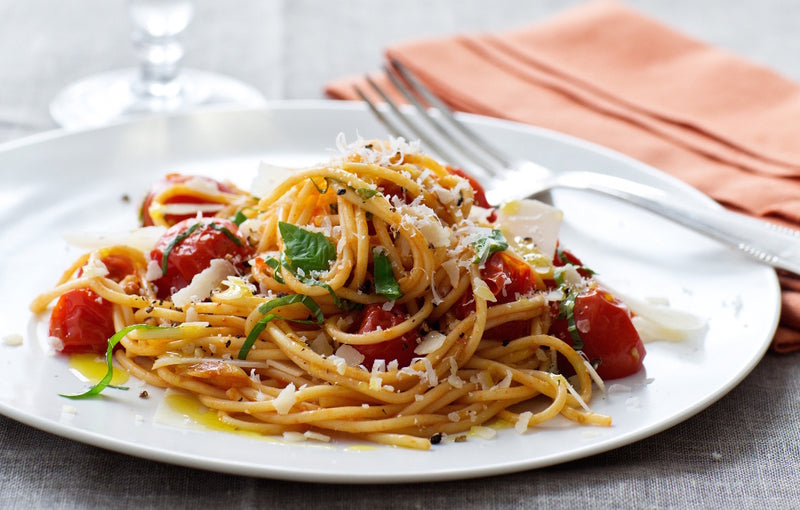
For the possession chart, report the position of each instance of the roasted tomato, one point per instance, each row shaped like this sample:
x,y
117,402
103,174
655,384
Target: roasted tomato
x,y
191,245
119,266
172,180
400,348
563,257
83,321
507,278
480,193
610,340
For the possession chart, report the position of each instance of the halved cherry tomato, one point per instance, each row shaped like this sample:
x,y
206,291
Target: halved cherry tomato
x,y
171,180
193,253
400,348
563,257
83,321
507,278
119,266
480,193
608,335
391,189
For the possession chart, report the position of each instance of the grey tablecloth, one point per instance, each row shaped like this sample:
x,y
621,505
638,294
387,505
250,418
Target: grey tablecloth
x,y
742,452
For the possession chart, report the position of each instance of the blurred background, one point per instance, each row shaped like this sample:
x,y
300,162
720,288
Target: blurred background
x,y
289,49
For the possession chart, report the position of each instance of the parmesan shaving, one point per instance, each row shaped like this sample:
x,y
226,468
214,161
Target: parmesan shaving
x,y
431,342
13,339
143,239
204,282
522,422
285,399
350,355
483,432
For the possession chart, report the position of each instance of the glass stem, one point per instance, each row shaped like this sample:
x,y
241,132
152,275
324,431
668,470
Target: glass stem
x,y
157,27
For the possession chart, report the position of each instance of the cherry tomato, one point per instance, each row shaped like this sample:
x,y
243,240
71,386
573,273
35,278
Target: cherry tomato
x,y
171,180
190,254
119,266
391,189
563,257
400,348
507,278
480,193
83,321
608,335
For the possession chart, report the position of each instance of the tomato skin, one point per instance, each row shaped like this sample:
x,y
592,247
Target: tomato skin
x,y
507,277
604,324
195,253
170,180
563,257
118,266
401,348
480,193
83,321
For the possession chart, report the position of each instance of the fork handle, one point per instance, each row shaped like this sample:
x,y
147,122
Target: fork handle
x,y
765,242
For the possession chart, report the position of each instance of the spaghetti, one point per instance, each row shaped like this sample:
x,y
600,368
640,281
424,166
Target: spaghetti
x,y
375,296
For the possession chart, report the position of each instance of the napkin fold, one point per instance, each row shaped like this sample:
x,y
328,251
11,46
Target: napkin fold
x,y
608,74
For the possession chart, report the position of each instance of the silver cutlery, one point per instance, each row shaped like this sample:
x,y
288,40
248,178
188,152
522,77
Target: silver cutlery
x,y
506,178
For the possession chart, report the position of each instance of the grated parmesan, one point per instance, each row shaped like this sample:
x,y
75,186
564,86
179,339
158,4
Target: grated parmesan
x,y
285,399
13,339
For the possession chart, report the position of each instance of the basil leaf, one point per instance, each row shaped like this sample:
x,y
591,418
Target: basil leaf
x,y
309,303
112,342
321,191
239,218
385,282
273,263
172,244
566,310
488,244
562,256
309,251
230,235
366,193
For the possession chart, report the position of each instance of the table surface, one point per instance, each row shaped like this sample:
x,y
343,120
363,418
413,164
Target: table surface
x,y
742,452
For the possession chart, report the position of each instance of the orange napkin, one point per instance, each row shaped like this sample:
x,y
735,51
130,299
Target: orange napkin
x,y
607,74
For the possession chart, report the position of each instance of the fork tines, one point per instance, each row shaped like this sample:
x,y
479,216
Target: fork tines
x,y
430,121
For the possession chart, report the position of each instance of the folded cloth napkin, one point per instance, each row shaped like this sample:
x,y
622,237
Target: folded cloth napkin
x,y
607,74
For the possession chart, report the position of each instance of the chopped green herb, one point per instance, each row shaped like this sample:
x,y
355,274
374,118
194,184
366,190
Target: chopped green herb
x,y
309,303
172,244
321,190
366,193
385,282
558,276
488,244
276,270
112,342
230,235
566,310
309,251
563,257
239,218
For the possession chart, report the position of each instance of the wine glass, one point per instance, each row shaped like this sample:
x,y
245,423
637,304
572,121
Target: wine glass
x,y
159,85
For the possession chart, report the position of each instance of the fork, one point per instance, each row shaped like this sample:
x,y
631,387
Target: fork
x,y
506,179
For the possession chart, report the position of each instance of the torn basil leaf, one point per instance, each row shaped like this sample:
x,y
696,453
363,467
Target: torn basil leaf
x,y
487,244
112,342
239,218
566,310
385,283
309,251
366,193
309,303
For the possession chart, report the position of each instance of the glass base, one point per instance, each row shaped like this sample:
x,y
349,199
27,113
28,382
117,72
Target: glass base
x,y
111,97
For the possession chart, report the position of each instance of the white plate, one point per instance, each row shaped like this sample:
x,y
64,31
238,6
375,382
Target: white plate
x,y
65,182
